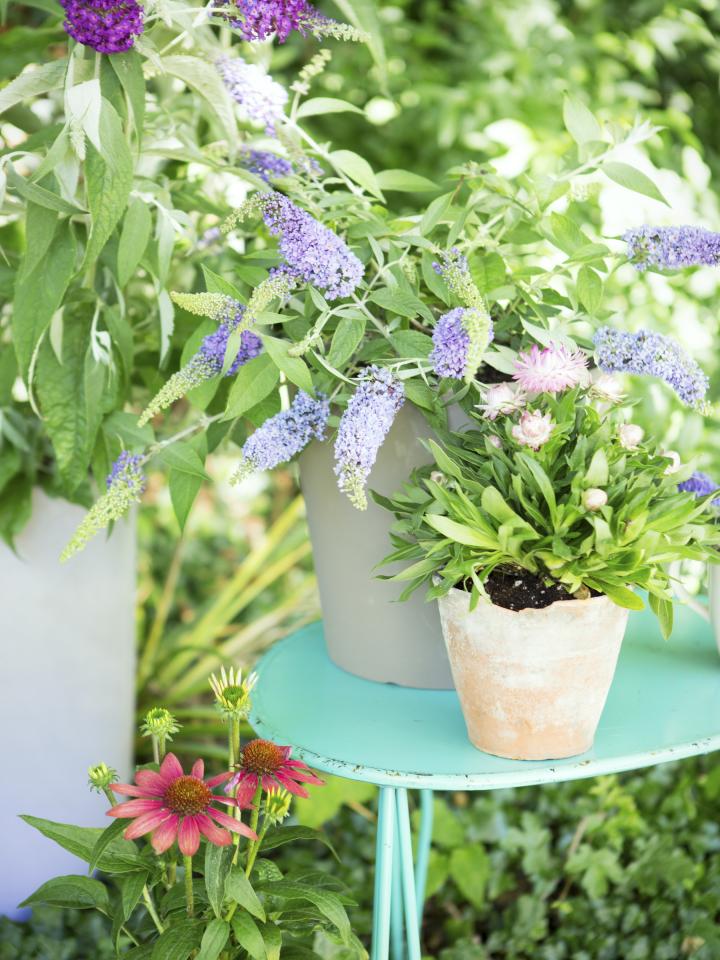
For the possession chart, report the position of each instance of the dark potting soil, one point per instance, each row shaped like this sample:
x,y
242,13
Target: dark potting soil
x,y
488,374
519,589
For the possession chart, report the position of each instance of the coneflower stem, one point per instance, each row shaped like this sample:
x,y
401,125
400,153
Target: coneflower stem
x,y
150,906
189,896
252,852
255,849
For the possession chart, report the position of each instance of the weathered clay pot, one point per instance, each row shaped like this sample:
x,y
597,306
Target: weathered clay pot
x,y
532,683
367,630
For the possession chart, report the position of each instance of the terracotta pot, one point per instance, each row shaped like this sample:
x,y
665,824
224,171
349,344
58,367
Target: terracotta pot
x,y
532,683
367,631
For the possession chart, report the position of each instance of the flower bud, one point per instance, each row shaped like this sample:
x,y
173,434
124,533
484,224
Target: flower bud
x,y
101,776
159,723
232,693
534,429
594,498
501,398
495,441
608,387
675,462
630,435
277,804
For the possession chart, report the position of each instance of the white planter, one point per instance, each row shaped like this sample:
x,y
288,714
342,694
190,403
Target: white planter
x,y
532,683
368,632
66,686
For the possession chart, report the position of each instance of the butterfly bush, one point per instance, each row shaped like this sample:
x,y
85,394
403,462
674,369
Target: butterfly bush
x,y
125,486
266,165
475,320
654,355
702,485
672,248
259,97
259,19
209,359
453,343
107,26
366,422
285,435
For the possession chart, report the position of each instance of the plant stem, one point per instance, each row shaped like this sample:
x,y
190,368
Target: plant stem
x,y
150,906
255,849
252,851
189,896
156,749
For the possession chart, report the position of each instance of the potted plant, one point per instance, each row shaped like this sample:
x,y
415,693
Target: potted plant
x,y
537,528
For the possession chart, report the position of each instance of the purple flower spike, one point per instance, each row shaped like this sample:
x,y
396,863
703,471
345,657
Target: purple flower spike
x,y
108,26
672,248
370,413
259,97
127,472
266,165
701,485
260,18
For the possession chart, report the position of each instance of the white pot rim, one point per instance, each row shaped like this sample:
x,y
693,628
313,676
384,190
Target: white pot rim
x,y
566,605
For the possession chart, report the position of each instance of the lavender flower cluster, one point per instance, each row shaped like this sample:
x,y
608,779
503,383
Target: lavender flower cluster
x,y
370,413
208,361
651,354
283,436
260,18
701,485
108,26
259,97
312,253
125,486
672,248
464,333
268,166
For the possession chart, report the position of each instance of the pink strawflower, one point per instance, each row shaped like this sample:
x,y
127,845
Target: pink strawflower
x,y
173,806
500,398
534,429
550,370
269,765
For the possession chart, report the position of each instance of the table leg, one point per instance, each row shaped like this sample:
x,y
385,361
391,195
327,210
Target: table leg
x,y
397,925
423,849
383,873
412,925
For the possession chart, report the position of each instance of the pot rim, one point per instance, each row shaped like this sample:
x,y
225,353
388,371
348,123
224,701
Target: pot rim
x,y
530,611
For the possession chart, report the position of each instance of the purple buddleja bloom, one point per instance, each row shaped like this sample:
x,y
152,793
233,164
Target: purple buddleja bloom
x,y
125,486
370,413
208,361
266,165
652,355
452,343
259,97
701,485
283,436
260,18
672,248
209,237
312,253
108,26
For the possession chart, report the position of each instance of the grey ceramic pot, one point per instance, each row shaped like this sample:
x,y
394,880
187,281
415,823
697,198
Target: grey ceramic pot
x,y
67,686
368,631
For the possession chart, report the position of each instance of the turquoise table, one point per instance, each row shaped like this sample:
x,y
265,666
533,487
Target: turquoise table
x,y
664,705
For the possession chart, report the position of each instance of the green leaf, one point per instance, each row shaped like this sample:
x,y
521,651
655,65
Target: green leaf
x,y
39,294
357,168
580,122
181,456
471,870
248,936
42,79
66,397
459,532
566,233
115,830
179,941
327,903
121,856
488,271
398,301
403,181
632,179
323,105
272,938
664,611
217,867
435,213
589,289
128,68
294,368
362,14
444,461
239,889
184,488
622,596
412,343
598,471
35,193
346,339
72,891
133,239
214,939
282,835
214,283
131,888
200,74
108,179
253,382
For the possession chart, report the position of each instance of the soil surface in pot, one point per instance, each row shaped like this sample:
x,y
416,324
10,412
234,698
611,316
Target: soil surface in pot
x,y
520,589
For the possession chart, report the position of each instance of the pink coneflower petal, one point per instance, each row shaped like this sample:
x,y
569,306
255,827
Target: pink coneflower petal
x,y
151,783
135,808
303,774
189,837
212,831
291,785
128,789
245,794
146,823
220,778
231,823
198,770
164,836
170,768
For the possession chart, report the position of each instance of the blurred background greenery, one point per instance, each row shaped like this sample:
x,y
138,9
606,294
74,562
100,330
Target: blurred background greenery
x,y
620,868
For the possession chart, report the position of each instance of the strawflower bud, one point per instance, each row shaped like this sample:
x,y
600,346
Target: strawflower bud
x,y
675,462
631,436
594,499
